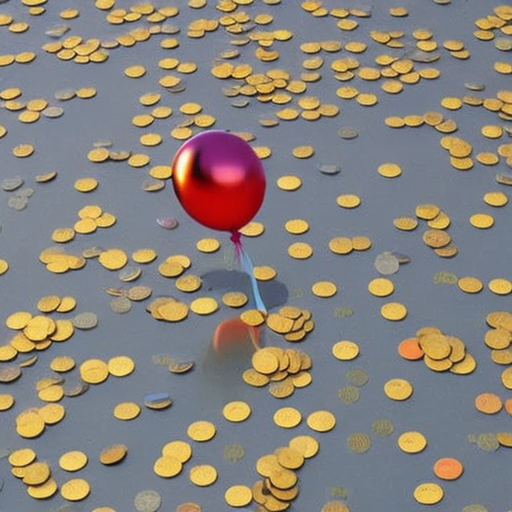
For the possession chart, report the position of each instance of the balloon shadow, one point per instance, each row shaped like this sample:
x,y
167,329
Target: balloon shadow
x,y
274,293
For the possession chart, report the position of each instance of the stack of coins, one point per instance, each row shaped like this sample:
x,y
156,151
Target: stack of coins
x,y
283,370
440,352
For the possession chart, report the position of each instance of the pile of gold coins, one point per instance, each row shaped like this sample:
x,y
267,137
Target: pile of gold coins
x,y
284,370
498,338
291,322
279,486
442,352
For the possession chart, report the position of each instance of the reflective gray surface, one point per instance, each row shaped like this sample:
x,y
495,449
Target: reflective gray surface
x,y
442,406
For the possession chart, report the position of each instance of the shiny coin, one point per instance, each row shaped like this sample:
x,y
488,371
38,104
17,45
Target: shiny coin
x,y
428,493
321,421
236,411
94,371
201,431
113,454
398,389
203,475
412,442
73,460
345,350
287,417
126,411
75,489
167,466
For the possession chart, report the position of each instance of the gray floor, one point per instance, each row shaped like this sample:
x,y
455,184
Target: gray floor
x,y
442,406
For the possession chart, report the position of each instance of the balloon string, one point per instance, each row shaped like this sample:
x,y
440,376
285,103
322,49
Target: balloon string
x,y
248,268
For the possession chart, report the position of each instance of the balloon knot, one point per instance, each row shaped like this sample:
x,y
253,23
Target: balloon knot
x,y
236,238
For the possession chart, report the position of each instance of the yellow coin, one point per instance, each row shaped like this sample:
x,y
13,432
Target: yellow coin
x,y
348,201
289,182
394,311
135,71
204,306
307,446
405,223
381,287
167,466
389,170
253,229
4,266
73,460
236,411
470,284
253,317
208,245
296,226
238,496
481,220
324,289
75,489
201,431
113,259
203,475
144,256
126,411
29,424
22,457
398,389
345,350
412,442
120,366
86,184
36,473
265,361
341,245
235,299
52,413
180,450
496,198
23,150
500,286
300,250
94,371
428,493
321,421
287,417
6,401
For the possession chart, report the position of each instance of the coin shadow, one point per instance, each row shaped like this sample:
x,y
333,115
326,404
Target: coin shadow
x,y
274,293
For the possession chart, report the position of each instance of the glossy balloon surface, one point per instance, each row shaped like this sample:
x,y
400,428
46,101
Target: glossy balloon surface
x,y
219,180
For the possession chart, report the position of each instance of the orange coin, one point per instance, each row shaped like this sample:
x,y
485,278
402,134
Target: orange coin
x,y
448,468
488,403
508,405
410,349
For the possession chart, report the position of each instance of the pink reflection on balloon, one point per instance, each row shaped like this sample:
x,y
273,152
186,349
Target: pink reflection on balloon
x,y
233,335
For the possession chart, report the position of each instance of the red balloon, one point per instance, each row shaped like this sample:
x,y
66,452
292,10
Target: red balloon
x,y
219,180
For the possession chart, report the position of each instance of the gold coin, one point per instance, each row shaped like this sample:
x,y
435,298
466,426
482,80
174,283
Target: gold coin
x,y
264,273
6,401
345,350
253,229
296,226
188,283
253,317
398,389
428,493
44,491
203,475
172,311
254,378
348,201
265,361
113,454
389,170
201,431
496,199
120,366
22,457
238,496
75,489
481,220
321,421
208,245
381,287
135,71
470,284
86,185
405,223
204,306
73,460
324,289
236,411
126,411
300,250
94,371
500,286
167,466
289,182
52,413
287,417
394,311
235,299
412,442
23,150
113,259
